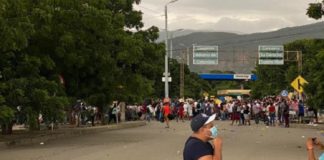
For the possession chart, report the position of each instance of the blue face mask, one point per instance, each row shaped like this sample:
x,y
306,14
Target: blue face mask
x,y
321,157
214,132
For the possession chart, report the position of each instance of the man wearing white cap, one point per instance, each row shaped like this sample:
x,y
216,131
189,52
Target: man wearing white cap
x,y
197,147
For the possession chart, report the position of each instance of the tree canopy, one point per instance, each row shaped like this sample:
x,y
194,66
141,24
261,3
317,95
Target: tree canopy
x,y
54,52
273,79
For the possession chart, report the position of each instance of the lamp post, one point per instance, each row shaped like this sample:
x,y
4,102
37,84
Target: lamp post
x,y
166,69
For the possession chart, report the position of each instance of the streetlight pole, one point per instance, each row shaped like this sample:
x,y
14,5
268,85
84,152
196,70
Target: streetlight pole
x,y
166,69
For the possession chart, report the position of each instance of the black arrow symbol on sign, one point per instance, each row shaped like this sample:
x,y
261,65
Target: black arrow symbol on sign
x,y
299,85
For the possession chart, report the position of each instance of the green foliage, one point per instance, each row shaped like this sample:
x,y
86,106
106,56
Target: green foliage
x,y
315,10
6,119
222,85
193,85
88,43
273,79
6,115
53,110
315,88
91,44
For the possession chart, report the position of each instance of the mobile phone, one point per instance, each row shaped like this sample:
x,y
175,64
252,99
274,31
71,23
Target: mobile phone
x,y
314,140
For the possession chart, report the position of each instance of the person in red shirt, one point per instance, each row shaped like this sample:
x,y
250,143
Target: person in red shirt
x,y
181,111
272,114
166,111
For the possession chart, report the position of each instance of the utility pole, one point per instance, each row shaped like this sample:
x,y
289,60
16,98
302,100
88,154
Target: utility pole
x,y
166,58
298,57
188,56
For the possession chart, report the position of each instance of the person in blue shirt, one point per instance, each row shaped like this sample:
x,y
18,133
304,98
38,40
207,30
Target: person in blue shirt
x,y
301,112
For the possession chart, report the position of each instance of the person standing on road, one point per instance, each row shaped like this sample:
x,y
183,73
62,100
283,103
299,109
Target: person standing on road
x,y
281,112
272,114
166,111
256,111
230,107
241,113
190,109
181,111
186,108
149,112
301,111
197,146
112,113
247,114
286,114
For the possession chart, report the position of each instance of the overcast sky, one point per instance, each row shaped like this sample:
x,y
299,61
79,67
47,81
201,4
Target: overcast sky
x,y
239,16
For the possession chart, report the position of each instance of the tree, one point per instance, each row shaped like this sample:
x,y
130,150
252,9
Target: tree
x,y
273,79
315,88
315,10
193,85
15,30
88,43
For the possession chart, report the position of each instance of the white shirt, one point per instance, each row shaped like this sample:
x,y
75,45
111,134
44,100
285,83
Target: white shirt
x,y
189,109
230,109
150,108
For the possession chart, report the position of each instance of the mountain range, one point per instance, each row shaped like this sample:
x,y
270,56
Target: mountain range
x,y
237,52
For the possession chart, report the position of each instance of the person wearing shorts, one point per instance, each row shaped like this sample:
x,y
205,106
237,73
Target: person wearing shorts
x,y
166,113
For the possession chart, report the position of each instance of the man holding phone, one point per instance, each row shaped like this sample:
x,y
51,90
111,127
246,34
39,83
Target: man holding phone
x,y
197,147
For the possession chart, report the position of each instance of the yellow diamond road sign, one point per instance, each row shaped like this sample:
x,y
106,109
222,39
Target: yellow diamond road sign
x,y
298,83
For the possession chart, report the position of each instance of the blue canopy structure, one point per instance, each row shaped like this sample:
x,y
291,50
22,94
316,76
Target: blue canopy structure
x,y
232,77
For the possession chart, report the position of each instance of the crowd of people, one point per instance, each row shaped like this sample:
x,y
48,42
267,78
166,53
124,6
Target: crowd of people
x,y
270,111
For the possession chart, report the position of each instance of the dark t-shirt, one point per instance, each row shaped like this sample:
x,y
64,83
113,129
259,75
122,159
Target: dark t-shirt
x,y
196,148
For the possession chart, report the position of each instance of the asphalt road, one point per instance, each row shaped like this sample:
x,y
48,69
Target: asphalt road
x,y
154,142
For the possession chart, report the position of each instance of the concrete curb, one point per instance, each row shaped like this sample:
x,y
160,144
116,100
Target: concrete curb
x,y
66,133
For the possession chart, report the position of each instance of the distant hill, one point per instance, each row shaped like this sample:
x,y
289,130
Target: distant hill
x,y
238,52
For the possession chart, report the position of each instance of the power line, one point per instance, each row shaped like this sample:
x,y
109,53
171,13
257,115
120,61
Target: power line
x,y
152,17
151,10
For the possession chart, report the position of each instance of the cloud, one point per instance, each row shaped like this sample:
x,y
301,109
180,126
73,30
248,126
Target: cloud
x,y
245,16
250,25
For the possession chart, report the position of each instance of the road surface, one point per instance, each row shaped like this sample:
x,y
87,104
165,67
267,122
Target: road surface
x,y
154,142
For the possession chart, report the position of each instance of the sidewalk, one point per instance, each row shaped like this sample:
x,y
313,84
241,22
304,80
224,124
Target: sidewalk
x,y
38,137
